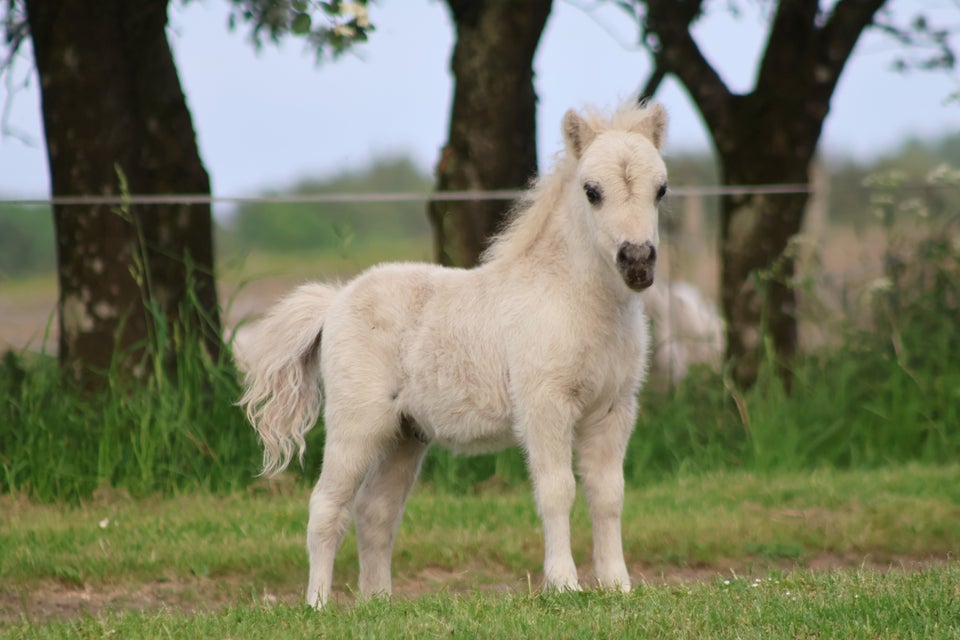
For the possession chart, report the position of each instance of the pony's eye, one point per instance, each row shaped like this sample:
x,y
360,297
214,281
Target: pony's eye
x,y
662,191
594,194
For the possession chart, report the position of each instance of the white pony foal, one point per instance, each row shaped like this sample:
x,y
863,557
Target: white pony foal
x,y
544,345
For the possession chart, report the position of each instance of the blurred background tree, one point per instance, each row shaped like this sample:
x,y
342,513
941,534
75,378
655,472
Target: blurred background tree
x,y
269,226
764,136
132,279
491,143
114,113
768,136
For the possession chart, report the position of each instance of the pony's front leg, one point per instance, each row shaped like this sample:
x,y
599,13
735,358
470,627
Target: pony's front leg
x,y
601,448
548,439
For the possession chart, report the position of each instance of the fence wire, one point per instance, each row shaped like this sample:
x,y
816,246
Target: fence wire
x,y
397,196
406,196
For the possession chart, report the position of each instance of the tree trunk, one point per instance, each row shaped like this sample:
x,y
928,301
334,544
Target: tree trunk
x,y
112,103
765,137
756,280
492,137
756,266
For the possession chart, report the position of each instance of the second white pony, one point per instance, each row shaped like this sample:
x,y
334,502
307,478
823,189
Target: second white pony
x,y
544,345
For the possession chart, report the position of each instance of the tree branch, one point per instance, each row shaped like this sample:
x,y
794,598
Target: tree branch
x,y
666,31
16,30
921,34
790,40
589,9
835,41
13,87
653,82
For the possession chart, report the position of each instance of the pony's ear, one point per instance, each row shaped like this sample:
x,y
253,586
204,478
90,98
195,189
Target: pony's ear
x,y
577,133
654,124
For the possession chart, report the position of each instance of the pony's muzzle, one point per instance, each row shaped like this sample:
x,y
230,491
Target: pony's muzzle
x,y
637,263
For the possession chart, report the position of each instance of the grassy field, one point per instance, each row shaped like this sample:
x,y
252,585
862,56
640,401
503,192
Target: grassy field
x,y
831,511
843,554
849,605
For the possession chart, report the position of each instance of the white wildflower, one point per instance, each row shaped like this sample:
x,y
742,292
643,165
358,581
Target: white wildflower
x,y
878,286
104,523
943,174
915,206
345,30
885,179
358,12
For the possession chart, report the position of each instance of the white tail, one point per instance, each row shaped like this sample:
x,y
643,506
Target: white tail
x,y
282,394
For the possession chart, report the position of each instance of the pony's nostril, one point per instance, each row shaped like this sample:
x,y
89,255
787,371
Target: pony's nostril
x,y
630,253
648,252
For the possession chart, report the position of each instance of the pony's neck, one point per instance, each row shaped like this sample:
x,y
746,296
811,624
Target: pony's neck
x,y
538,221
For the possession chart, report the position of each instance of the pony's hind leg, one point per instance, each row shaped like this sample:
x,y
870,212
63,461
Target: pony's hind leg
x,y
600,451
378,511
346,461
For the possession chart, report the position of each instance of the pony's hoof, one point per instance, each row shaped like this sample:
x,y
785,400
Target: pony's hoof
x,y
615,581
615,585
316,601
561,585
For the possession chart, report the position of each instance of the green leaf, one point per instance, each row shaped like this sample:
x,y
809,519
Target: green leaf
x,y
301,24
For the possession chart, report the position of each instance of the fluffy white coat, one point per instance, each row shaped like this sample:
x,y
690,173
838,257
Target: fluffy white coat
x,y
544,345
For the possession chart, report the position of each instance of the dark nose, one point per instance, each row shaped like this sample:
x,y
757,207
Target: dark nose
x,y
637,263
631,253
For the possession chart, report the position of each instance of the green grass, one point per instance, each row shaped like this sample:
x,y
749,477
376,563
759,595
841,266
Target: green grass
x,y
859,604
29,289
142,435
885,392
885,395
325,263
715,521
856,408
832,511
719,555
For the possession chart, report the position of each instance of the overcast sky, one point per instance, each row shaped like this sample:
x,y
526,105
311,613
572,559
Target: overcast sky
x,y
265,120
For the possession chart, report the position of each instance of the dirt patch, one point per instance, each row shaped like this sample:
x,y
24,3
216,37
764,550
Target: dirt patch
x,y
56,601
51,600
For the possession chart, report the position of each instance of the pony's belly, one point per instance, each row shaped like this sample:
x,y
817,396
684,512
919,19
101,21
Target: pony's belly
x,y
478,446
467,432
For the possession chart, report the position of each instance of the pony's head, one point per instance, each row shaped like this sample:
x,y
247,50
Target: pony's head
x,y
620,179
